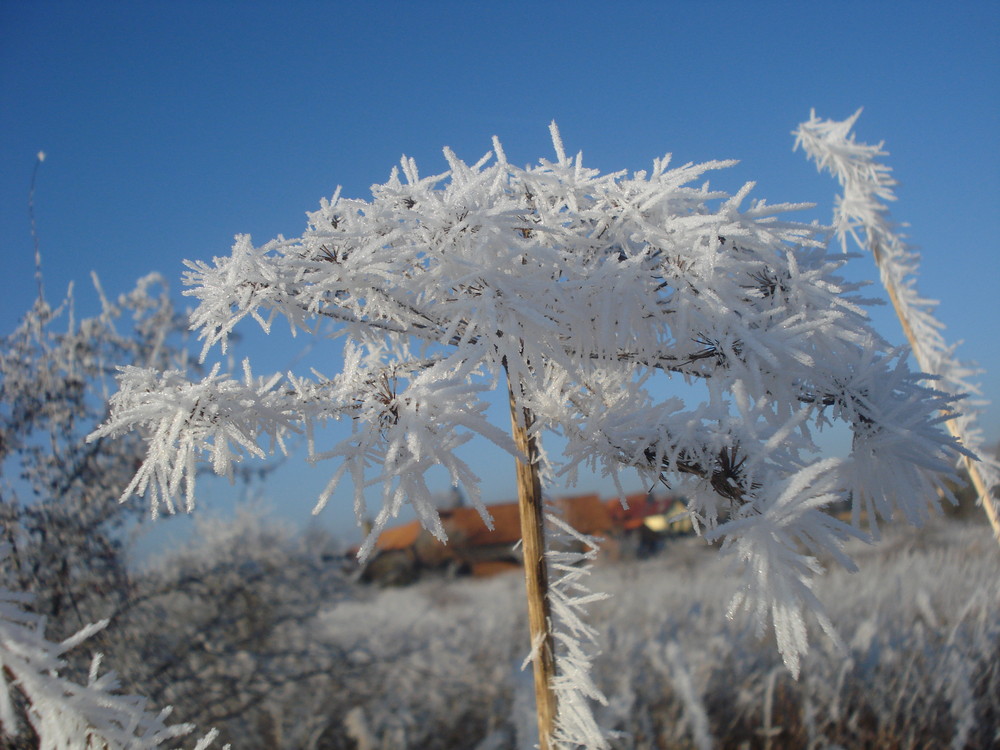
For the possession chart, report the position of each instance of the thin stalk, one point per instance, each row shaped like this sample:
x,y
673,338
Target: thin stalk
x,y
953,427
34,229
532,514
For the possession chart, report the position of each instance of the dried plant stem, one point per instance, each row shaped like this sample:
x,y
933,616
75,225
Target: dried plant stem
x,y
529,495
953,427
34,229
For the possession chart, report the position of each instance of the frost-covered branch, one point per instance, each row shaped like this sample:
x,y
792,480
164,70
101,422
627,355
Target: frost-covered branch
x,y
219,416
62,713
862,213
571,556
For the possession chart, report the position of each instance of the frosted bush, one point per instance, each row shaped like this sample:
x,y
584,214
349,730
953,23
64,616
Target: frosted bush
x,y
221,628
58,493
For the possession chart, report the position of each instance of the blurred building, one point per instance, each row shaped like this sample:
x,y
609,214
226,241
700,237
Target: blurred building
x,y
406,552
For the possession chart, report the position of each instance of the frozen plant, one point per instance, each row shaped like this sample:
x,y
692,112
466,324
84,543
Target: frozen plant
x,y
583,294
444,657
571,555
62,528
862,213
58,492
219,628
62,713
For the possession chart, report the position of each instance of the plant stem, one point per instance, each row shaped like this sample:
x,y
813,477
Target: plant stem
x,y
985,496
529,496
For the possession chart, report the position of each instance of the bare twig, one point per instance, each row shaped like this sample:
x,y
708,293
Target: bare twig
x,y
34,229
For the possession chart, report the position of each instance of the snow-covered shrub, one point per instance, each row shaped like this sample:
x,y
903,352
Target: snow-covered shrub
x,y
59,510
63,530
220,628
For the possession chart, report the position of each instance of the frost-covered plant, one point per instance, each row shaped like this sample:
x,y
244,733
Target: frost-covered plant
x,y
585,294
862,213
219,629
65,714
61,528
435,666
571,556
58,497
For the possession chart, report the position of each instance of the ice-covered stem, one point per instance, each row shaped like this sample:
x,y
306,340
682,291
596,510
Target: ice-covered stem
x,y
862,213
531,511
571,556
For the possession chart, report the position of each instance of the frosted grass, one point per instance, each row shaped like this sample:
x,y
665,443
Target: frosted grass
x,y
919,625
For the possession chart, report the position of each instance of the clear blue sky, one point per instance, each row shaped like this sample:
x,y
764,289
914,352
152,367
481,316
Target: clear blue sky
x,y
171,126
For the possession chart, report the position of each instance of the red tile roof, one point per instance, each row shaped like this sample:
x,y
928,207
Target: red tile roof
x,y
586,513
399,537
465,527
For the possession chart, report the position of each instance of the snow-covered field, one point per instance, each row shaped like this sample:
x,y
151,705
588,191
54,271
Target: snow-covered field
x,y
437,665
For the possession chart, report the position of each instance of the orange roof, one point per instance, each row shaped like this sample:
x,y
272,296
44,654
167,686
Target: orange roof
x,y
399,537
461,524
640,505
467,524
585,513
487,568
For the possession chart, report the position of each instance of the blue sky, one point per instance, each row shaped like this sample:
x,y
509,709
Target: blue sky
x,y
170,127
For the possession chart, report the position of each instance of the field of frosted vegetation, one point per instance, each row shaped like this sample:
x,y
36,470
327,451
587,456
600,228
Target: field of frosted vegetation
x,y
252,643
